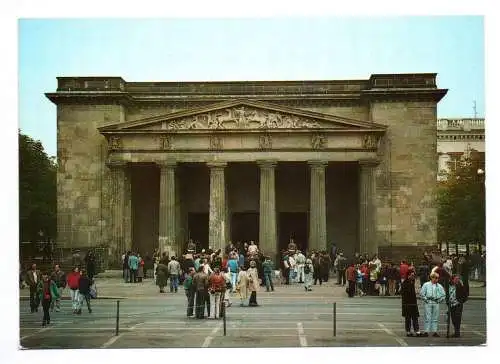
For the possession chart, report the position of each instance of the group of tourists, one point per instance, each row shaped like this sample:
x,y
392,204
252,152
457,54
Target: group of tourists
x,y
47,289
440,280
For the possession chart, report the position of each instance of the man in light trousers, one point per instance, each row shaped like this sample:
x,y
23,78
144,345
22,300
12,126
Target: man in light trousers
x,y
301,260
432,294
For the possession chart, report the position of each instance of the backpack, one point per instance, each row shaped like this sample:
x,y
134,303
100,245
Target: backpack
x,y
307,269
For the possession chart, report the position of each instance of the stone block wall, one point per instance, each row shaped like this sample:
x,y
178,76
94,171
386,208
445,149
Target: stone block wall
x,y
406,177
82,219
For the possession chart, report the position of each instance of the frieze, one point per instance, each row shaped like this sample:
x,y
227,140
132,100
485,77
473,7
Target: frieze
x,y
318,141
165,142
370,141
243,117
215,142
115,143
265,141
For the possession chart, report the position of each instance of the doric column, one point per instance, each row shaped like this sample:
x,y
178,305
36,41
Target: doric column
x,y
367,216
117,205
317,208
267,210
217,214
167,239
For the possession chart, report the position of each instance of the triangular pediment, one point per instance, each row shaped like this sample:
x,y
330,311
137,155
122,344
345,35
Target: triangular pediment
x,y
242,115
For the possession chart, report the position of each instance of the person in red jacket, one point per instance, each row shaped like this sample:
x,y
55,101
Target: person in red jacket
x,y
351,280
403,270
73,282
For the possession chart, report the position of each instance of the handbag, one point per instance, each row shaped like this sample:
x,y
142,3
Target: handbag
x,y
93,292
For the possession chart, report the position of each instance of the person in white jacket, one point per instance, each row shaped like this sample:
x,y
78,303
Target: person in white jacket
x,y
432,293
300,260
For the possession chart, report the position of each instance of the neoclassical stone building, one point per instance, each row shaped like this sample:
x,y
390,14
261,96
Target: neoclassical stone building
x,y
152,164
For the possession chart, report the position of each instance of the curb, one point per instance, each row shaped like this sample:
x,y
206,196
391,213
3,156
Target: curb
x,y
472,298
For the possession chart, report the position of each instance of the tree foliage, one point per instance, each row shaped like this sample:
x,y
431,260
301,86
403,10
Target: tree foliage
x,y
462,204
37,191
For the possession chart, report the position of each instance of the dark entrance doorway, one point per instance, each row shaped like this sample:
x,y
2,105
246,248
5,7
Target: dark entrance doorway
x,y
293,225
244,226
198,229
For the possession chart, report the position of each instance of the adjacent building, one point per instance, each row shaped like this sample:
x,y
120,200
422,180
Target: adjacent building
x,y
153,164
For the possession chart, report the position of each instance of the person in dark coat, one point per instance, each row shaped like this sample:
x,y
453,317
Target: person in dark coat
x,y
409,304
161,276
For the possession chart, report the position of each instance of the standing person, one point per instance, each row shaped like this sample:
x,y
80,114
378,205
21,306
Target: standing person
x,y
90,264
432,294
286,268
59,278
341,266
359,281
161,276
325,264
409,304
217,285
133,264
301,261
33,276
233,268
126,268
190,291
268,267
351,280
73,281
140,268
200,284
174,270
308,274
253,284
464,272
242,285
316,261
84,291
47,291
156,261
458,296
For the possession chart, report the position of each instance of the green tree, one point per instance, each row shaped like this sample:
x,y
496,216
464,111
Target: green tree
x,y
37,191
462,203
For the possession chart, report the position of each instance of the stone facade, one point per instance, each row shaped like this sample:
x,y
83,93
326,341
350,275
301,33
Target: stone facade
x,y
144,165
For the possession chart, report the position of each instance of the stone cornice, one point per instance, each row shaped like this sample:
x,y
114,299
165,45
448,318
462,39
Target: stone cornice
x,y
403,94
93,97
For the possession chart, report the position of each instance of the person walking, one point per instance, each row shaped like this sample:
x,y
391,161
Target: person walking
x,y
308,274
242,285
458,296
217,285
409,304
253,283
90,264
234,268
73,281
161,275
301,261
432,294
59,278
268,267
174,270
126,268
341,267
47,291
316,261
33,277
84,284
156,261
200,284
140,268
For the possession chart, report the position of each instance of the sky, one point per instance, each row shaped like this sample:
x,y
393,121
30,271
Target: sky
x,y
294,48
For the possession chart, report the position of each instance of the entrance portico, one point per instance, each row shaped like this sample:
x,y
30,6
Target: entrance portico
x,y
261,149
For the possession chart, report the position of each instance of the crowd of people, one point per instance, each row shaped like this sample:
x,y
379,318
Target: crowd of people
x,y
46,289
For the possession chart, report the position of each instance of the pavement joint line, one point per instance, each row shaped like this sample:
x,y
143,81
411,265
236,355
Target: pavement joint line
x,y
302,336
390,332
473,331
209,338
35,333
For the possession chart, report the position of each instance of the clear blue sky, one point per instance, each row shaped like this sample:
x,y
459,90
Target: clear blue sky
x,y
252,49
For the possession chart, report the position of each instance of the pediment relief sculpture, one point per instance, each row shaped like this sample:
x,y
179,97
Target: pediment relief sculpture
x,y
242,117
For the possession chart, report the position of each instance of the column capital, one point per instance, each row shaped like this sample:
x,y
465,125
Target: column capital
x,y
216,165
368,163
317,164
266,163
166,164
